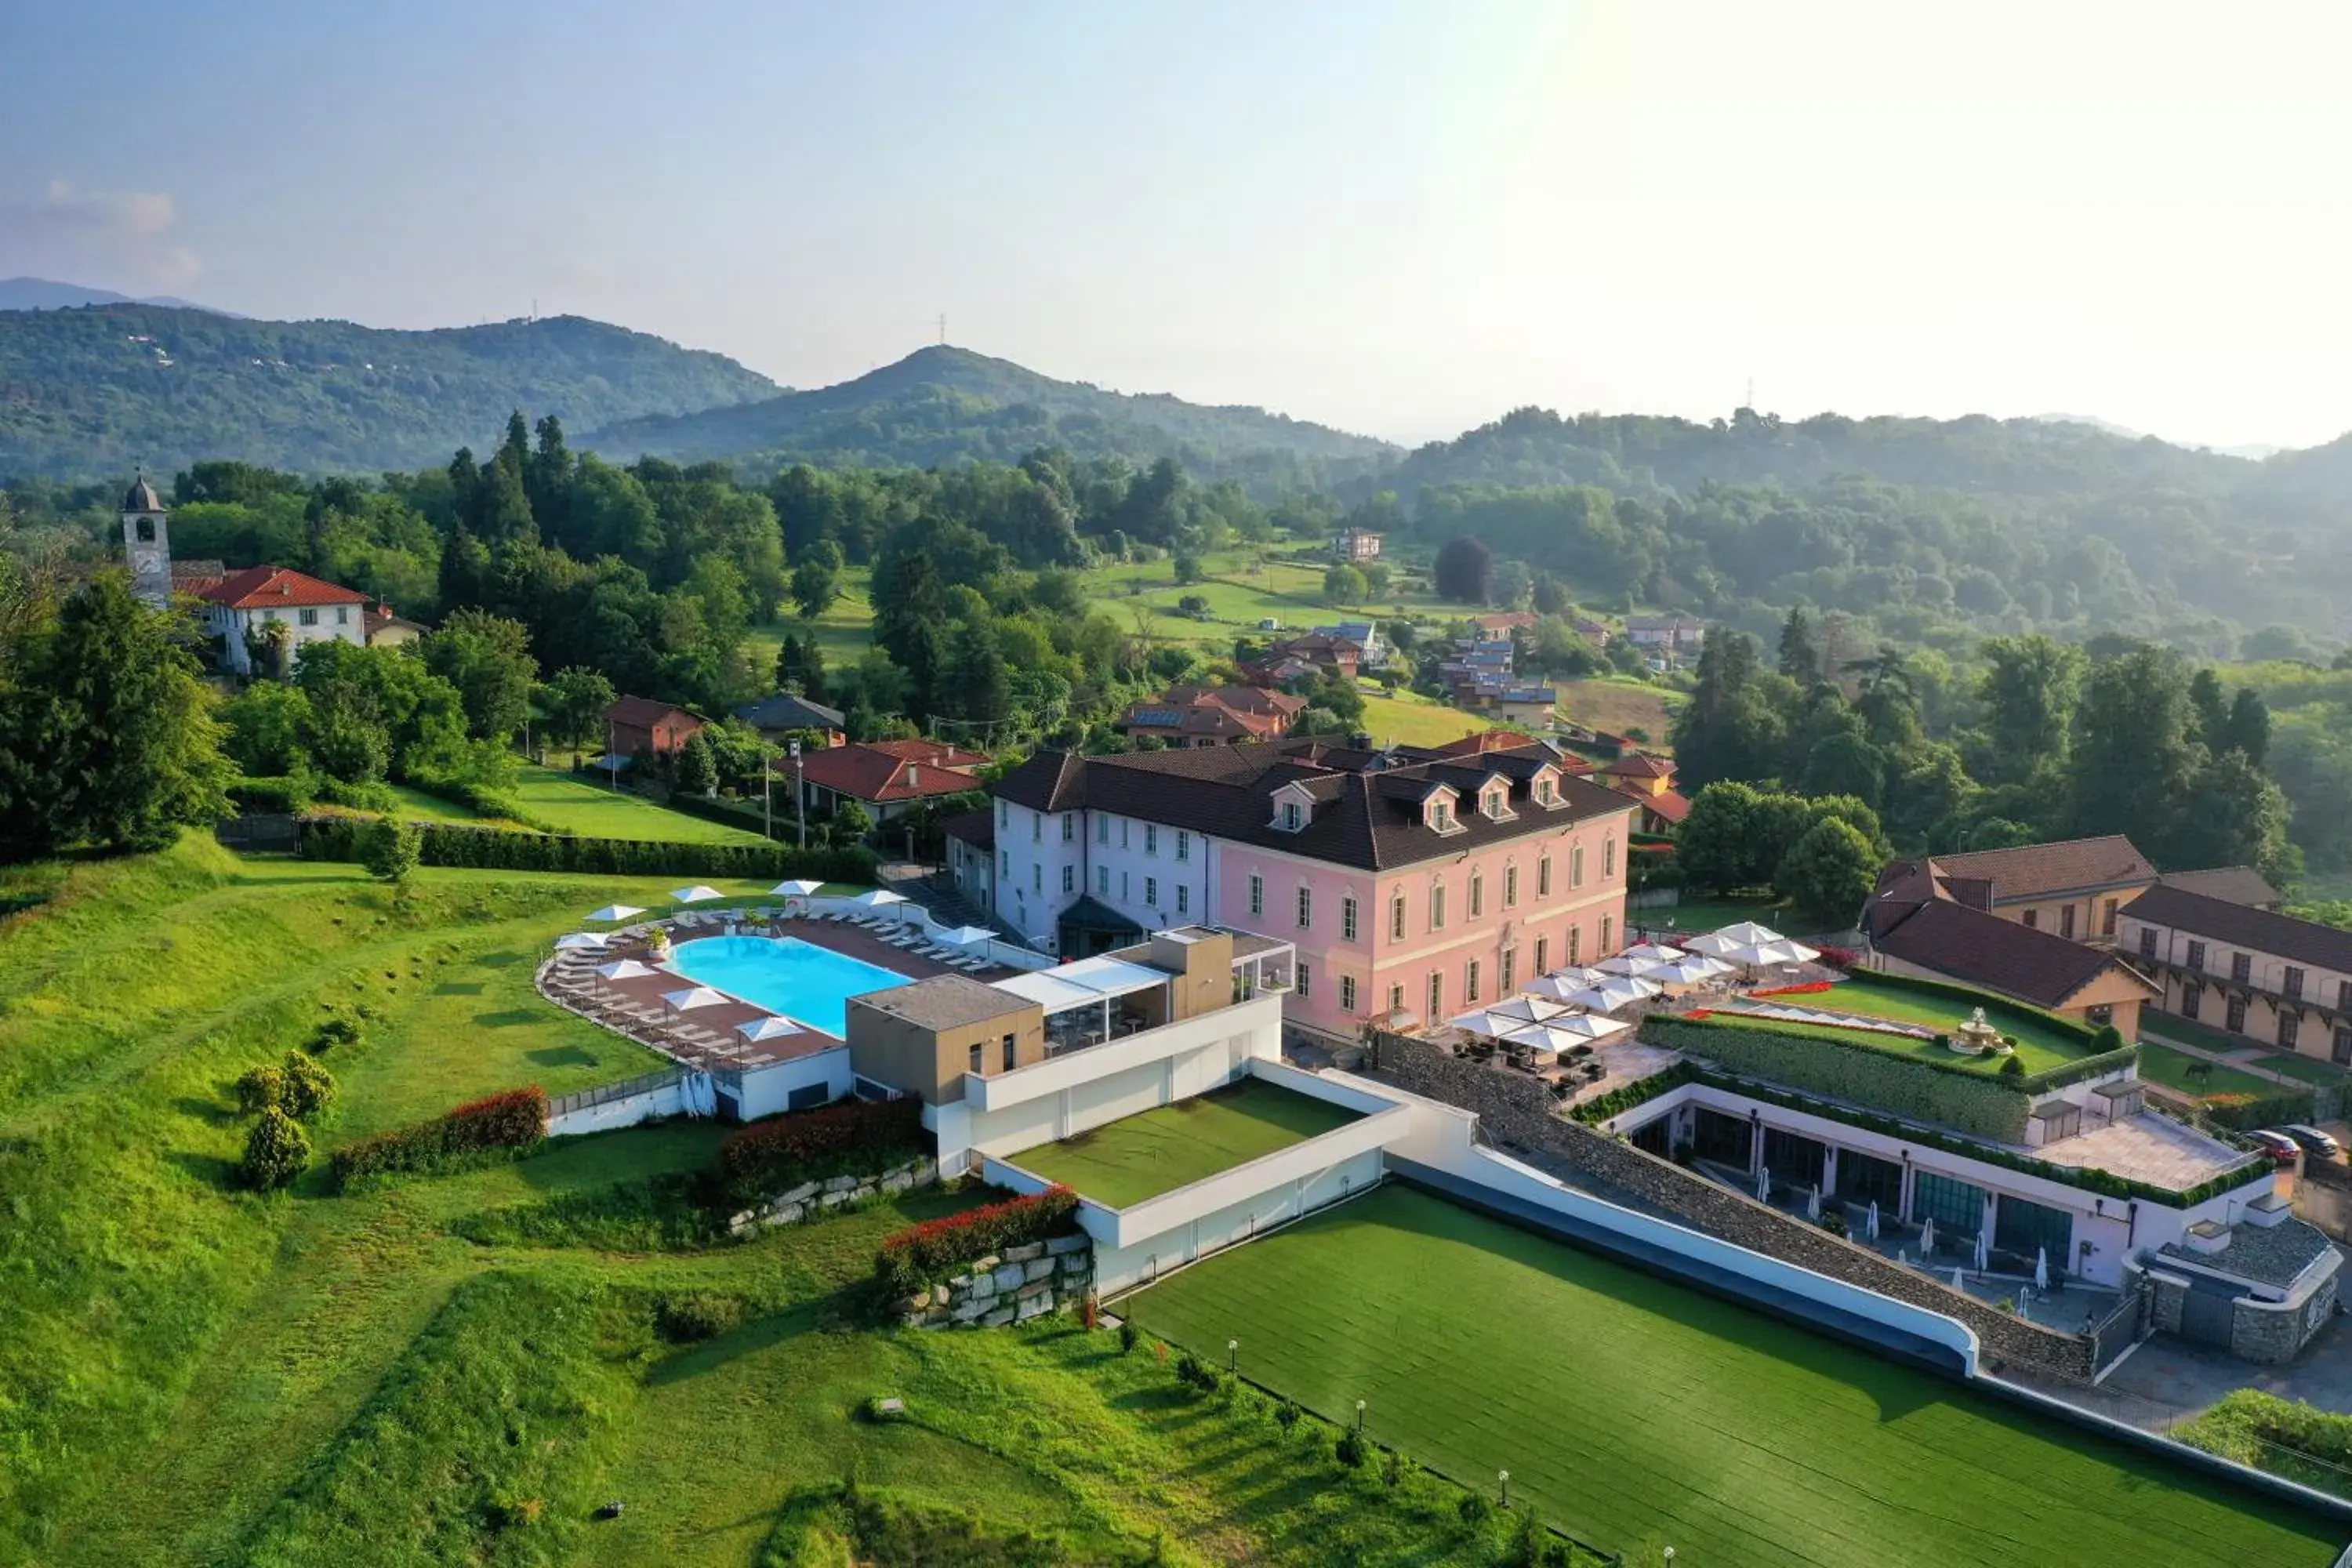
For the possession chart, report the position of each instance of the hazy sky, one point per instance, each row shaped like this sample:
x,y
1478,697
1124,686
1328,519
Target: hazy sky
x,y
1398,218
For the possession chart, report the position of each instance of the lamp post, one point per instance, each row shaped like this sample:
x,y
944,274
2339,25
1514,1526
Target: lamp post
x,y
1503,1478
1360,1416
800,793
1669,1555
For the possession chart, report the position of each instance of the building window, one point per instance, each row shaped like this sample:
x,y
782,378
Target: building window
x,y
2342,1051
1470,981
1437,906
1290,817
2235,1015
979,1057
1306,983
1396,999
2066,922
1478,894
2289,1024
2107,917
1546,791
2242,967
1495,805
1003,814
1347,918
1151,838
2191,995
1183,845
307,617
1036,878
1151,892
1306,908
1102,829
1004,862
1069,827
1576,866
2196,955
1069,879
1575,945
1606,922
1346,993
1257,894
342,614
1396,918
1510,969
2147,941
1608,857
1123,886
1511,887
1184,898
2292,983
2033,920
1543,955
1009,1039
1436,998
1543,878
1102,881
1956,1206
2344,996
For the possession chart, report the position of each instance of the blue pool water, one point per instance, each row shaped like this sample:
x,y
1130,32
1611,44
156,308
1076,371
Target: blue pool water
x,y
806,983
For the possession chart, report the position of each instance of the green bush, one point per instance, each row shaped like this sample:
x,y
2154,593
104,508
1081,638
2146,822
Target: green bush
x,y
516,1118
336,1029
2284,1436
1626,1096
259,1089
307,1087
1350,1450
1130,1336
340,838
859,1135
686,1317
1474,1508
914,1257
285,796
374,797
389,849
2013,1068
276,1151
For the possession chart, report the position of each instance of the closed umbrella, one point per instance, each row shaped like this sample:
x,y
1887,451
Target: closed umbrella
x,y
615,912
693,996
2041,1269
1764,1183
1928,1237
1813,1204
1873,1220
1984,1252
701,893
1957,1283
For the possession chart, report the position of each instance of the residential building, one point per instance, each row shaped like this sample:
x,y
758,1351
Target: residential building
x,y
1648,779
887,777
2231,884
1672,634
1944,940
1328,654
2253,971
1594,632
1410,881
786,714
972,855
1356,544
1215,716
2074,889
1365,634
641,726
1498,627
385,629
242,608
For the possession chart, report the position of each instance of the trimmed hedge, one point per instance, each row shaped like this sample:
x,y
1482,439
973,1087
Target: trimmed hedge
x,y
1626,1096
913,1258
516,1118
771,1155
514,849
2244,1112
2100,1181
1922,1091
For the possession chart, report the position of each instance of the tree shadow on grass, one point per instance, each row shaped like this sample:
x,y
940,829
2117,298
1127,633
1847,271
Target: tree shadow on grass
x,y
501,960
211,1112
561,1057
508,1016
214,1170
458,988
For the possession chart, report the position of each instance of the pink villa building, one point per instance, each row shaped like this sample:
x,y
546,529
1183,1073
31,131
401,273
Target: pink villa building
x,y
1414,885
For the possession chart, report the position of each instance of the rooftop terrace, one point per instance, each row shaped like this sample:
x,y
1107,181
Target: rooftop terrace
x,y
1142,1156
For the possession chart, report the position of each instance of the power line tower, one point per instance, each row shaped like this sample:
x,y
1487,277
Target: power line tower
x,y
943,329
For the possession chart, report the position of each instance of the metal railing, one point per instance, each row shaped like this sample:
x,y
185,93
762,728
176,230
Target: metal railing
x,y
604,1094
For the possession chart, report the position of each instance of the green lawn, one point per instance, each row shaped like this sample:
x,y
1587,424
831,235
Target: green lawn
x,y
1641,1414
2170,1067
2303,1069
1695,917
1409,719
1143,1156
2040,1045
596,811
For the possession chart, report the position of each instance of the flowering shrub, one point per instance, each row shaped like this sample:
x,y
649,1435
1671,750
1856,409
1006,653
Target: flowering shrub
x,y
1844,958
1809,988
516,1118
914,1256
772,1155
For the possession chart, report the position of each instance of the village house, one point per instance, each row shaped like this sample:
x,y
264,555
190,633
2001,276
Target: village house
x,y
888,778
2074,889
385,629
2248,969
244,608
1651,780
1356,544
1941,939
785,714
1214,716
641,726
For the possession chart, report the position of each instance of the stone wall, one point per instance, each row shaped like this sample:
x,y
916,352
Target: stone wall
x,y
811,1199
1022,1282
1516,1112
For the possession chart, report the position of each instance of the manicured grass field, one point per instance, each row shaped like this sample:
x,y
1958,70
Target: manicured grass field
x,y
2039,1047
2170,1067
594,811
1641,1414
1176,1145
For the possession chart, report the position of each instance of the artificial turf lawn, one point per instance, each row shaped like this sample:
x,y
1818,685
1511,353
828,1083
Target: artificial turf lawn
x,y
1158,1150
1639,1414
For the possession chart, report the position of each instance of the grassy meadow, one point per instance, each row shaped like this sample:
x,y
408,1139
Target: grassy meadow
x,y
194,1374
1639,1415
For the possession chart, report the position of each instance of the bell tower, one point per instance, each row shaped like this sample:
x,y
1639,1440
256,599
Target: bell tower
x,y
147,543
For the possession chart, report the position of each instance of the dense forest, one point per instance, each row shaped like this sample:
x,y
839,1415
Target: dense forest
x,y
99,391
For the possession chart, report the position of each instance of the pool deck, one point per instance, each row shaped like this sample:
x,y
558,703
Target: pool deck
x,y
706,1038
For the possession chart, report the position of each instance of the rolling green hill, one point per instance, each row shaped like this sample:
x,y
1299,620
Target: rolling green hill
x,y
945,404
101,390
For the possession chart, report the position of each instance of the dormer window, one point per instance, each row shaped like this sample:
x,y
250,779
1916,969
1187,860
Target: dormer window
x,y
1292,817
1441,814
1547,790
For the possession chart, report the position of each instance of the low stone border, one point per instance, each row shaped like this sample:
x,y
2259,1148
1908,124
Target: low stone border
x,y
1021,1283
811,1199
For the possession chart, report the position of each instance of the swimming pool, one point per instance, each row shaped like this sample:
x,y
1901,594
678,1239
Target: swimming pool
x,y
784,974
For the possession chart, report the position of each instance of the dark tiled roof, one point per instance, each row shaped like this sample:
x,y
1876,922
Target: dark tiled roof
x,y
2031,870
2238,925
1641,765
975,827
1981,948
1362,818
785,712
2236,884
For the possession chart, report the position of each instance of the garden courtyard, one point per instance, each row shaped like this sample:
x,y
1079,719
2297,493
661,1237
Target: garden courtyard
x,y
1639,1415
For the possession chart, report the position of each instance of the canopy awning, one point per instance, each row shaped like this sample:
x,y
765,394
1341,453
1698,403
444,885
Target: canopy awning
x,y
1111,976
1054,995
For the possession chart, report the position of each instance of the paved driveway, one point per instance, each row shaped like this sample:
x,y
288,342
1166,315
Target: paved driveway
x,y
2171,1375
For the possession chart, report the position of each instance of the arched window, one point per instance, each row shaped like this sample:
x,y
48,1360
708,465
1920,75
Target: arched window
x,y
146,529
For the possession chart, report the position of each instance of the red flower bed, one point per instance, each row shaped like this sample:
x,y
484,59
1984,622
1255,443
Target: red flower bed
x,y
1842,958
1700,1012
773,1151
914,1257
1809,988
514,1119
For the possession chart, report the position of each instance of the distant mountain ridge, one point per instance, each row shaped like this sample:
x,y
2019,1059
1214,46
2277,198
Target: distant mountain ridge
x,y
42,294
943,404
99,390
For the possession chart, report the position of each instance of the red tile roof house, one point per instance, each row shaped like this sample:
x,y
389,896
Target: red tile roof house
x,y
1337,655
1219,716
241,603
887,777
640,726
1650,780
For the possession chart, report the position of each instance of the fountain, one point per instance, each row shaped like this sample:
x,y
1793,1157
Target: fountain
x,y
1976,1037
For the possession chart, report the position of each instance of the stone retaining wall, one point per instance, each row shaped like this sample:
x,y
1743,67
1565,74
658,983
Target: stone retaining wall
x,y
1517,1113
1021,1283
809,1199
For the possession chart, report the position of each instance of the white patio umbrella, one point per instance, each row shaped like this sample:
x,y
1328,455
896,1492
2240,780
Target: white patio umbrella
x,y
801,887
1782,952
1562,984
1625,964
1655,952
1872,1225
2041,1269
1615,991
581,939
768,1028
1721,943
965,936
615,912
693,996
1692,969
1535,1036
879,898
1476,1022
1526,1009
701,893
1578,1026
625,969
